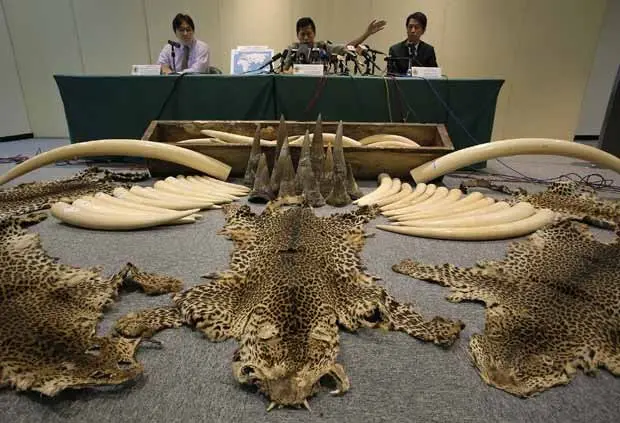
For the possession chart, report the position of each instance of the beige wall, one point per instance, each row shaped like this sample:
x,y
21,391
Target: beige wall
x,y
603,73
13,116
543,48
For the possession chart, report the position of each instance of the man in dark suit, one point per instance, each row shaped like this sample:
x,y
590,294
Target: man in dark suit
x,y
412,51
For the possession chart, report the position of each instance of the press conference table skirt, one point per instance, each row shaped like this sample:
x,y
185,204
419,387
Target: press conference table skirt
x,y
99,107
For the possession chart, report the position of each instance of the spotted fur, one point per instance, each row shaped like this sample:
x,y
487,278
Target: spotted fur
x,y
553,306
49,312
294,279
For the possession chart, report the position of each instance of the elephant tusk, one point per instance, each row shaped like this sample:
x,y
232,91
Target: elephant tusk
x,y
405,190
228,185
460,207
126,195
419,190
122,147
511,214
479,233
87,218
436,195
380,138
215,187
271,406
125,204
182,201
512,147
201,190
385,183
171,189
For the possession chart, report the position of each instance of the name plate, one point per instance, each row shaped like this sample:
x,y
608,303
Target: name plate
x,y
428,73
146,69
314,70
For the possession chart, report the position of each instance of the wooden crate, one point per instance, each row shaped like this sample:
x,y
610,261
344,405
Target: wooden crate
x,y
367,162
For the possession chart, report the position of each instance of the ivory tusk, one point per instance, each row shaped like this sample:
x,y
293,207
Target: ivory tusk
x,y
201,190
99,206
426,199
405,190
512,147
452,198
124,194
493,207
385,183
125,204
182,201
173,189
419,190
479,233
456,209
519,211
390,144
215,187
231,138
223,183
379,138
200,142
328,138
77,216
394,189
122,147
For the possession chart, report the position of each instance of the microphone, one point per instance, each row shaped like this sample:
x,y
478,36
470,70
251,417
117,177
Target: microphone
x,y
174,44
372,50
303,53
277,56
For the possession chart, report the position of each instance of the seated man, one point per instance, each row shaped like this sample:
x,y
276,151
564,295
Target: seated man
x,y
306,31
412,51
191,55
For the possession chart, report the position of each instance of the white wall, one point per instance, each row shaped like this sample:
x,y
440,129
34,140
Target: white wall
x,y
530,43
603,73
13,116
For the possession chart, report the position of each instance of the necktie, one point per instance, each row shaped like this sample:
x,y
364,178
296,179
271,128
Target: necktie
x,y
185,57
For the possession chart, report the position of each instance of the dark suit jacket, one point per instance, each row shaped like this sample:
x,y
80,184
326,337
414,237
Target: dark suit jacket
x,y
425,57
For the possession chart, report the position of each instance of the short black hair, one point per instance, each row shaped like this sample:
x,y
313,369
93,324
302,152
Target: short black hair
x,y
418,16
304,22
179,19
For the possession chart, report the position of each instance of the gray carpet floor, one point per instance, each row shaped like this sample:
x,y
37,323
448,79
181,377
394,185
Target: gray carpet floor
x,y
393,377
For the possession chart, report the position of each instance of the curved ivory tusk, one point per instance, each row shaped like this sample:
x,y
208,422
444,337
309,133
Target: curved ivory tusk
x,y
519,211
77,216
462,206
385,183
437,194
454,195
231,138
215,187
328,138
225,139
182,201
479,233
405,190
224,184
381,138
173,189
428,192
501,205
123,194
201,190
394,188
419,190
390,144
513,147
97,206
122,147
125,204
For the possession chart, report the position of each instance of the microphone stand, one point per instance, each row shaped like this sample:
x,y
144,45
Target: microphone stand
x,y
174,66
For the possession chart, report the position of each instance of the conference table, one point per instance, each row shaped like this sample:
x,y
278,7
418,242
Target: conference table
x,y
99,106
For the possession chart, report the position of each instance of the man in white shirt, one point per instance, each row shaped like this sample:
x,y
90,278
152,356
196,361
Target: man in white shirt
x,y
190,56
